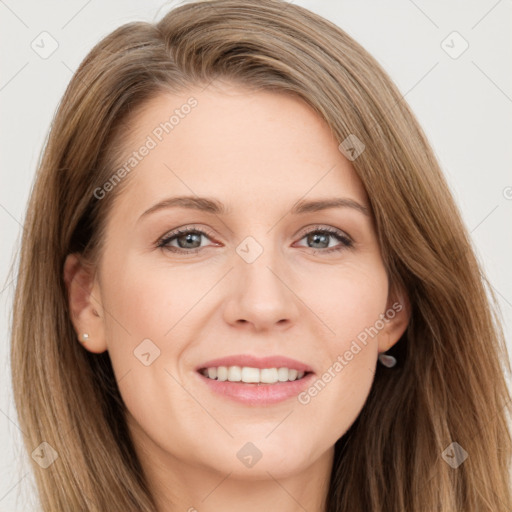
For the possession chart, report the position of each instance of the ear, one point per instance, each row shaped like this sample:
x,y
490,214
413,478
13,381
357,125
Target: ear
x,y
85,303
397,316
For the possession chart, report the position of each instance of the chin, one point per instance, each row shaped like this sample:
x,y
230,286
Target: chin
x,y
255,460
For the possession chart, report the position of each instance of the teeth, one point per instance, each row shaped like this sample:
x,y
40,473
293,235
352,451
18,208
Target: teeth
x,y
234,374
222,373
252,375
268,375
282,374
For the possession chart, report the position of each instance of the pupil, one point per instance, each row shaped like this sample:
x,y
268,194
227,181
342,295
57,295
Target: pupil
x,y
316,236
189,238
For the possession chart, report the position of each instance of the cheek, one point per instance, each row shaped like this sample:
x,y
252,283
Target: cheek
x,y
147,333
146,324
351,309
348,299
148,302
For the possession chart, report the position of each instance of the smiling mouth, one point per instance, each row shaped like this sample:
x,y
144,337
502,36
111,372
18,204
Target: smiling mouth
x,y
250,375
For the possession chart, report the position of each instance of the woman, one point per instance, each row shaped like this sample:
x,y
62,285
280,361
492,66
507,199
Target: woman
x,y
254,368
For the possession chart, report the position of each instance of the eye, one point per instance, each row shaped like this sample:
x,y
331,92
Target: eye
x,y
188,240
321,235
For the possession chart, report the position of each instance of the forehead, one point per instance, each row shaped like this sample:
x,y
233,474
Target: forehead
x,y
244,147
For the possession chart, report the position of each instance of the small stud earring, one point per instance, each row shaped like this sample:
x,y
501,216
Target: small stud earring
x,y
387,360
85,337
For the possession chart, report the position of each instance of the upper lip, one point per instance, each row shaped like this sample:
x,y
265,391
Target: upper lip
x,y
256,362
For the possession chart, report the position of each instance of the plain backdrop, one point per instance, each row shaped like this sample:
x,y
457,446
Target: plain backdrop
x,y
450,59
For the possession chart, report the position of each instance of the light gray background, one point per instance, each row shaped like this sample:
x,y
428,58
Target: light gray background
x,y
464,105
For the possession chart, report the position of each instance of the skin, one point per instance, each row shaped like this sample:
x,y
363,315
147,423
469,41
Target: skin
x,y
258,153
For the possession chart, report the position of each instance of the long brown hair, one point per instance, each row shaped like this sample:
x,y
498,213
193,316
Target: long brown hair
x,y
448,387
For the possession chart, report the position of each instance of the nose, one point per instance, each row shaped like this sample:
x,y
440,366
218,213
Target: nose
x,y
262,295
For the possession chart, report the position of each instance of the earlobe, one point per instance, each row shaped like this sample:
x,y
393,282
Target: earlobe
x,y
397,316
84,304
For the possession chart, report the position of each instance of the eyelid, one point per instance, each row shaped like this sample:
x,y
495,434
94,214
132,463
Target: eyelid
x,y
188,227
322,227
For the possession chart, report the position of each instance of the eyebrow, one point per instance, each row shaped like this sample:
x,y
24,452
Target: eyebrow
x,y
214,206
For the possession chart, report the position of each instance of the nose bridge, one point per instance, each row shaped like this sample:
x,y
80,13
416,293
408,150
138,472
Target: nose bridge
x,y
259,265
261,295
261,272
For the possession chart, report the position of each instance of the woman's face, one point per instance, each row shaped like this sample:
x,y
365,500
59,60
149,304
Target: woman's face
x,y
258,282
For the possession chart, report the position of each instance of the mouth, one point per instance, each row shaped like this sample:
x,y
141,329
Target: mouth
x,y
255,387
251,375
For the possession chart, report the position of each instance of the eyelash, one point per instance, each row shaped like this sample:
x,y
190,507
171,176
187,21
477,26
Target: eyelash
x,y
346,242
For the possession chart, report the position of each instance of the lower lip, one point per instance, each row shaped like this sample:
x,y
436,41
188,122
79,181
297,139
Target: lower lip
x,y
258,394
